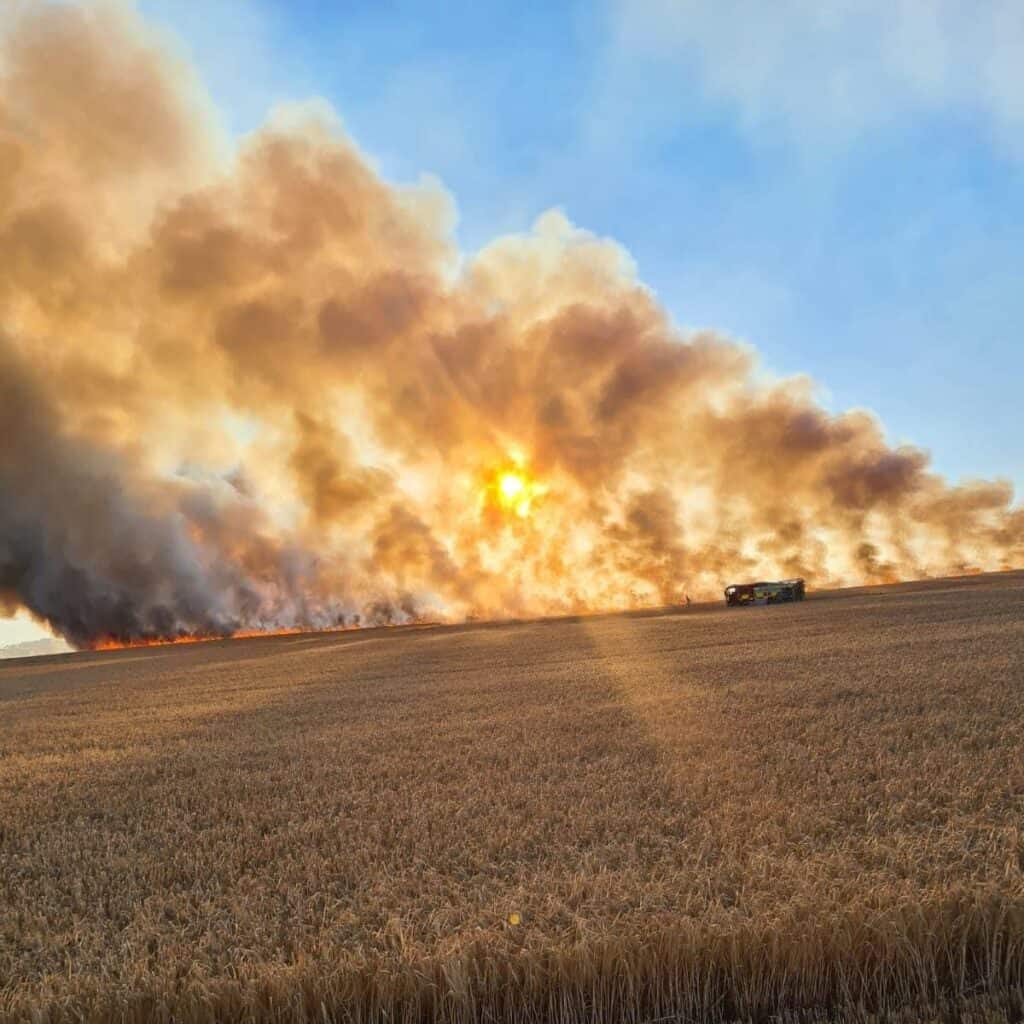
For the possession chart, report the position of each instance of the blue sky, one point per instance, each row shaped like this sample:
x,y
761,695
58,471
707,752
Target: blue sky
x,y
840,185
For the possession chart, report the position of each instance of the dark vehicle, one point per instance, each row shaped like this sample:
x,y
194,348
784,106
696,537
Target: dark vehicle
x,y
777,592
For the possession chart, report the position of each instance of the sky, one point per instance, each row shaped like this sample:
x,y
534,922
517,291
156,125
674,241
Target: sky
x,y
840,185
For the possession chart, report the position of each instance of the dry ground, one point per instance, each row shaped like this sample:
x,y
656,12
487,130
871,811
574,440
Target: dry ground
x,y
813,809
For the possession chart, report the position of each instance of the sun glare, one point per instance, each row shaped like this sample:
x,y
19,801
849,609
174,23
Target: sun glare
x,y
514,490
511,485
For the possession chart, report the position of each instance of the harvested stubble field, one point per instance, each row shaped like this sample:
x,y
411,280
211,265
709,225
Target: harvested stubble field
x,y
812,811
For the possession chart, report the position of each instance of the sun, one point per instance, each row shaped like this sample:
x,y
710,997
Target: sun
x,y
511,486
513,490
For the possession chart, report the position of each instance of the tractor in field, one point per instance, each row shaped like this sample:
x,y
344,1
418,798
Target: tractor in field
x,y
777,592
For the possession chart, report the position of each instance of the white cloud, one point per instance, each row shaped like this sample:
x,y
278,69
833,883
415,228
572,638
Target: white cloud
x,y
831,70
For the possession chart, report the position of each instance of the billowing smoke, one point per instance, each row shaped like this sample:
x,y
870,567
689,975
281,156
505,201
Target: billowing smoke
x,y
260,388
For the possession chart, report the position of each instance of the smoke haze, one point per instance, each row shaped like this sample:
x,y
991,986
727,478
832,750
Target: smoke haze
x,y
259,388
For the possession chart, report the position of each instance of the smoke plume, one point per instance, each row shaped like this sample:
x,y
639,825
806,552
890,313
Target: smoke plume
x,y
257,387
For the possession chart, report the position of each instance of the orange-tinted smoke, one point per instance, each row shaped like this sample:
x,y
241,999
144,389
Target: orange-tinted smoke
x,y
258,388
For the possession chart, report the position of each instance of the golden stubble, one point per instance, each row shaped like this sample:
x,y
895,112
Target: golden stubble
x,y
722,814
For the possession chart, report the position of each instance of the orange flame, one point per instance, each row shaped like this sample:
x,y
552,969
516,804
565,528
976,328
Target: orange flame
x,y
115,644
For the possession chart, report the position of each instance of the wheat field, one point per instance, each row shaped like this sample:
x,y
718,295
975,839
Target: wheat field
x,y
806,812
